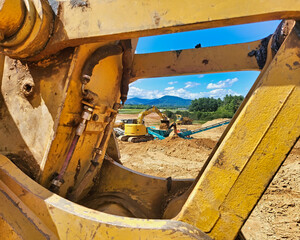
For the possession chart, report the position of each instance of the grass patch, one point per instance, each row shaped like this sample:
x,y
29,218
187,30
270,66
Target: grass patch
x,y
199,121
130,111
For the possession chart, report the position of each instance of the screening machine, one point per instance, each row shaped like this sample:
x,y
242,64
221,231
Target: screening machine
x,y
187,134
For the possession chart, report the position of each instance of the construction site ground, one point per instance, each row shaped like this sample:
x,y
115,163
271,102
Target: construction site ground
x,y
277,215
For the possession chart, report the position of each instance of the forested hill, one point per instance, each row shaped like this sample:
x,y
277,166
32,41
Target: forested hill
x,y
165,101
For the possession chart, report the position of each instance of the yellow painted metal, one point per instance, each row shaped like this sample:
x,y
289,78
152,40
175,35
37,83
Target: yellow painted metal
x,y
105,82
34,33
247,158
44,215
7,231
129,189
115,20
252,151
39,145
195,61
146,112
135,130
25,28
12,16
21,116
123,19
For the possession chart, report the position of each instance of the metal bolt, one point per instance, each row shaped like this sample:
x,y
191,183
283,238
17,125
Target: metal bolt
x,y
95,117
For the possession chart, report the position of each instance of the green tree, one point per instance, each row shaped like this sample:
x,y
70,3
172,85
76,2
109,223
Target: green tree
x,y
232,103
170,114
211,108
205,104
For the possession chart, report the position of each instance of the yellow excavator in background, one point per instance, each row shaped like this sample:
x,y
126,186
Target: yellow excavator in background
x,y
178,119
65,70
137,132
183,120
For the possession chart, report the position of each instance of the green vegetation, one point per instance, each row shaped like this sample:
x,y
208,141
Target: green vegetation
x,y
205,109
199,121
130,111
141,106
200,110
135,106
210,108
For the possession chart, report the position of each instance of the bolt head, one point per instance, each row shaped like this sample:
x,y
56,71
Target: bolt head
x,y
95,117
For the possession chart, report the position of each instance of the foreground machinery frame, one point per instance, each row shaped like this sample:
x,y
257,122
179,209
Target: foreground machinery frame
x,y
65,70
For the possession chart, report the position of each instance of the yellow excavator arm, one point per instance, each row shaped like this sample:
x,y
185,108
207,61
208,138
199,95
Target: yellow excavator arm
x,y
65,69
148,111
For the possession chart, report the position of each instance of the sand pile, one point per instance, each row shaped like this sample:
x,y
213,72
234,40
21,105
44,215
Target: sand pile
x,y
172,146
172,156
213,134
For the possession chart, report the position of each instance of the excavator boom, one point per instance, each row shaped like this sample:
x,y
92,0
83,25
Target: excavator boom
x,y
148,111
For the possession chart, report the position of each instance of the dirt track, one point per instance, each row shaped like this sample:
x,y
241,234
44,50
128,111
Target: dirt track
x,y
277,214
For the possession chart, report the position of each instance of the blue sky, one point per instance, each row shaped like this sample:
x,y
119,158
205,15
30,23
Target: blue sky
x,y
208,85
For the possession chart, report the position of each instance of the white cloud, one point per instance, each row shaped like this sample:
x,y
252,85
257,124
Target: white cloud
x,y
222,84
216,93
181,92
169,88
142,93
201,76
191,84
220,93
171,83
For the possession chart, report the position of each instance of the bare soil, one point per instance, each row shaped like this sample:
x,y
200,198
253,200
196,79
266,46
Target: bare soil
x,y
276,216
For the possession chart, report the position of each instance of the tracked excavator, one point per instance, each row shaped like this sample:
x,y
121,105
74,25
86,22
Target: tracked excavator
x,y
65,71
136,131
183,120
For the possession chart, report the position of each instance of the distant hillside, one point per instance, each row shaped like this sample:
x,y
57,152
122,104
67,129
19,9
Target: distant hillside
x,y
171,101
138,101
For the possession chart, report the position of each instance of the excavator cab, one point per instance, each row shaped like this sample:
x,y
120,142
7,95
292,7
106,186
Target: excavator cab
x,y
179,119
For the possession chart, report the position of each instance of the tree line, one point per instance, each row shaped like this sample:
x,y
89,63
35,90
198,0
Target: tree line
x,y
210,108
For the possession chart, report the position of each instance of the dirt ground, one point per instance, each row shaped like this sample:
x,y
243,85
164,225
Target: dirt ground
x,y
277,214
